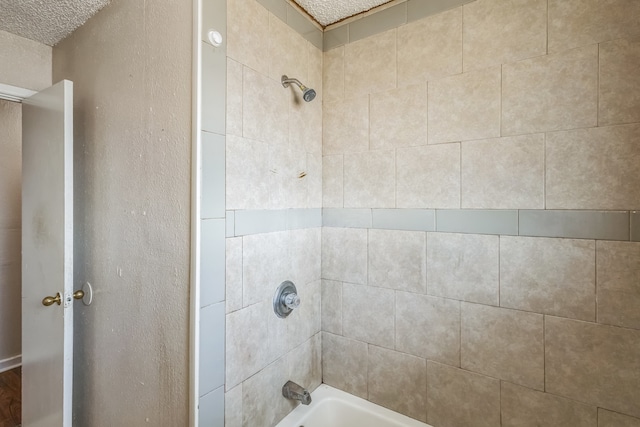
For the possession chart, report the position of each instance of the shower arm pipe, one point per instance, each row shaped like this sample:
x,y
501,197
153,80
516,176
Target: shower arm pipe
x,y
286,81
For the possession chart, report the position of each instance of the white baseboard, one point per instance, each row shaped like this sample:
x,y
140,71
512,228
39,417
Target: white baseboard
x,y
10,363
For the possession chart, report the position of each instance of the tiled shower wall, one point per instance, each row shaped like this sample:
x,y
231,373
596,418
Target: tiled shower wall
x,y
273,170
509,109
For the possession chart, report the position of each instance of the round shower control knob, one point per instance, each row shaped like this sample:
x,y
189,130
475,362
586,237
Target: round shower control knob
x,y
292,300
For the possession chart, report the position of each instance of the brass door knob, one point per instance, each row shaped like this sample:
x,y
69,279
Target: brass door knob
x,y
78,294
47,301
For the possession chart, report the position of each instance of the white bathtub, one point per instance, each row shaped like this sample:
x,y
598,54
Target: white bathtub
x,y
335,408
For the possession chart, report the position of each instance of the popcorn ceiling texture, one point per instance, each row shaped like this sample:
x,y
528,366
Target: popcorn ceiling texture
x,y
327,12
47,22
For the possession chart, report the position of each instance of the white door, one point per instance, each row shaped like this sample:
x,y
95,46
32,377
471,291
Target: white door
x,y
47,257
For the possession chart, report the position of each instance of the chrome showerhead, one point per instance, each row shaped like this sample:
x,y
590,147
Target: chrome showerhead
x,y
308,94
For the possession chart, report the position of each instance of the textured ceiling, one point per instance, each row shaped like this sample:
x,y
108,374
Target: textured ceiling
x,y
46,21
327,12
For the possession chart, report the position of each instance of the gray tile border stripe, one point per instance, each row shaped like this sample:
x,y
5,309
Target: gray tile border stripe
x,y
336,37
230,224
347,218
303,26
418,9
600,225
378,22
405,219
474,221
258,221
635,226
304,218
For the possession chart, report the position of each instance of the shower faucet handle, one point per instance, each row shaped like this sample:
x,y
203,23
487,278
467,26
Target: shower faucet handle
x,y
292,300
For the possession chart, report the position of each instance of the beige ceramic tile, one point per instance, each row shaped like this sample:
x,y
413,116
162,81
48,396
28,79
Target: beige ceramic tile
x,y
246,350
596,364
288,53
332,181
247,174
463,267
460,398
465,107
428,327
234,97
613,419
233,407
305,363
506,344
305,125
550,276
265,109
397,260
503,173
574,23
304,252
369,179
523,407
233,282
344,364
333,74
368,314
618,283
332,306
430,48
345,126
429,177
398,381
286,188
551,92
399,117
611,158
314,180
305,321
262,401
498,32
248,34
265,264
315,71
370,65
344,254
619,88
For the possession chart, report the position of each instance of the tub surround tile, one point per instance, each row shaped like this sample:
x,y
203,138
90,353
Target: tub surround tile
x,y
613,419
316,67
574,23
305,363
428,176
233,407
595,364
345,126
552,92
265,264
477,221
619,88
618,278
333,74
305,124
306,320
370,65
465,106
369,179
524,407
248,34
406,269
503,173
549,276
461,398
502,343
211,408
288,53
496,32
286,188
399,117
368,314
332,306
605,225
348,218
428,327
404,219
262,400
463,267
378,22
398,381
305,254
233,282
234,97
430,48
336,242
247,174
333,181
314,181
611,155
344,364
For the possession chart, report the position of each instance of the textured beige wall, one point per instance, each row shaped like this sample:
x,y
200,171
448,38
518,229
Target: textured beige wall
x,y
273,157
10,228
131,67
24,63
536,106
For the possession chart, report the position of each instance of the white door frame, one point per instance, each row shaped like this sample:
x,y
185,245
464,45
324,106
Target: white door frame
x,y
14,93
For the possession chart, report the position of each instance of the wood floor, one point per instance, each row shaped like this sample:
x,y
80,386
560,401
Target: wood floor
x,y
10,398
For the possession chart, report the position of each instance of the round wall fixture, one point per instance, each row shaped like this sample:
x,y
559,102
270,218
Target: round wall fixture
x,y
285,299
